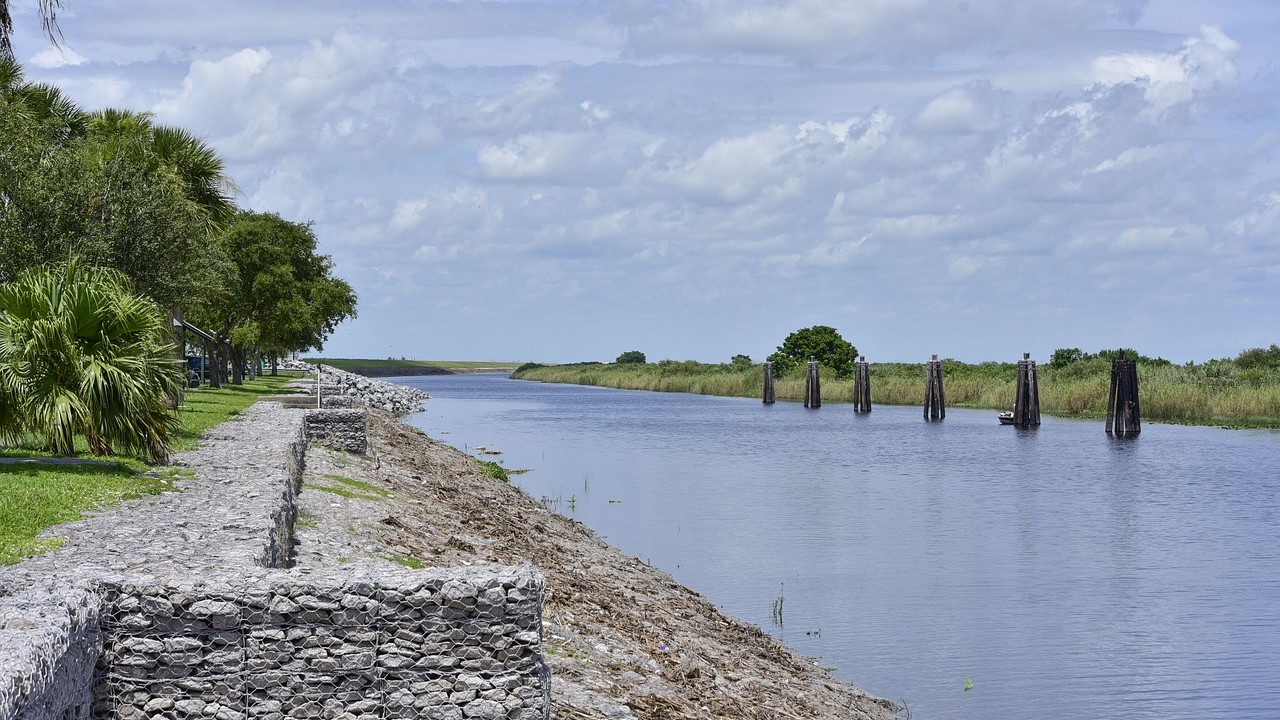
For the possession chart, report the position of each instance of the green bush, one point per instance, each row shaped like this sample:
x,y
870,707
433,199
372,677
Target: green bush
x,y
821,343
82,355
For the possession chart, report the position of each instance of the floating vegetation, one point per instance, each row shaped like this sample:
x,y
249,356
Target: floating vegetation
x,y
494,470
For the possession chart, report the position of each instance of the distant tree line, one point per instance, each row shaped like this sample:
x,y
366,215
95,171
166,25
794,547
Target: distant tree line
x,y
1062,357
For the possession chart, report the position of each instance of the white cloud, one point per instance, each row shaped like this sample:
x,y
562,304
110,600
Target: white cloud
x,y
841,29
56,57
961,111
733,169
692,153
1201,64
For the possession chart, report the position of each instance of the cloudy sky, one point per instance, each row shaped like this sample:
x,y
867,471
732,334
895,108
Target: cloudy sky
x,y
559,181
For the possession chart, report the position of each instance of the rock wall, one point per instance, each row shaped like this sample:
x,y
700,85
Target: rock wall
x,y
297,645
171,613
346,430
49,646
380,394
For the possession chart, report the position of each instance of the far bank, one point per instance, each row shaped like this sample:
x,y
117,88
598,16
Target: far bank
x,y
1218,393
413,368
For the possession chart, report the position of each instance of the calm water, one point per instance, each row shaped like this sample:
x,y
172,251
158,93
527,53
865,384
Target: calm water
x,y
1068,575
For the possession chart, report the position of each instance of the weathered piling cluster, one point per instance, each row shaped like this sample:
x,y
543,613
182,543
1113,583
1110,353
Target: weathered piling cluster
x,y
1026,406
812,385
862,386
768,383
1124,416
1124,412
935,407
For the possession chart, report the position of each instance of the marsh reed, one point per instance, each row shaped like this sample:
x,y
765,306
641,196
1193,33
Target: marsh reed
x,y
1213,393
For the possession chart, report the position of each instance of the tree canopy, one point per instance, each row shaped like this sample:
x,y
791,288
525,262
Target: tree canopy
x,y
820,342
1063,357
280,294
109,187
631,356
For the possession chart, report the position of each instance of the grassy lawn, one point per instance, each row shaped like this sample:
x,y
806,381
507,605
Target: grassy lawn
x,y
34,497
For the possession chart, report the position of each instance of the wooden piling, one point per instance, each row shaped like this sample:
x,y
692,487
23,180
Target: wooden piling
x,y
935,403
1026,408
812,386
1124,410
768,383
862,386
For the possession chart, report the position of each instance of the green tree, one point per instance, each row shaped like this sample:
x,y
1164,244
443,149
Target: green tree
x,y
631,356
110,188
1259,357
820,342
1063,357
81,354
280,295
740,362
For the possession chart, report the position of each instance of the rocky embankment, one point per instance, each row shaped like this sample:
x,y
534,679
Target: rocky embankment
x,y
380,394
622,638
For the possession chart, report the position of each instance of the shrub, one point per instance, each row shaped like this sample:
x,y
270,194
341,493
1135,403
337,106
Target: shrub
x,y
820,342
82,355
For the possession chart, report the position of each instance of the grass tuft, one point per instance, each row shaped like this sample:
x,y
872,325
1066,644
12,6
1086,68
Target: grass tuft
x,y
408,561
351,488
494,470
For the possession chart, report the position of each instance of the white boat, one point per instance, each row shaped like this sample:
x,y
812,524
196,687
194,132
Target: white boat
x,y
1006,417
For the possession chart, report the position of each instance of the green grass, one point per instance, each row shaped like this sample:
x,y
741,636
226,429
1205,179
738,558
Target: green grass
x,y
35,497
493,470
351,488
408,561
1213,393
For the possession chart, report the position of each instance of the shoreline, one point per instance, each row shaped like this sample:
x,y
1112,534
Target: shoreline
x,y
623,639
837,394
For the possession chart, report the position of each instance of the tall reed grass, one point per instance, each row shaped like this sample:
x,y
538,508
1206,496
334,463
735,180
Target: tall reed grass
x,y
1214,393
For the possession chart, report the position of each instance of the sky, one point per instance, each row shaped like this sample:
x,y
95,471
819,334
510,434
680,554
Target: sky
x,y
562,181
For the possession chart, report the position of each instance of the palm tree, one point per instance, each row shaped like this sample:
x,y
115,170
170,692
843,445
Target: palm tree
x,y
197,167
48,19
82,355
201,172
58,118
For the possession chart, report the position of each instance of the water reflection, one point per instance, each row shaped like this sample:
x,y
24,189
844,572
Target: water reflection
x,y
1061,569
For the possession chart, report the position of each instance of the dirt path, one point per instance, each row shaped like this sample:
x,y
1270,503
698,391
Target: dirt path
x,y
622,639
